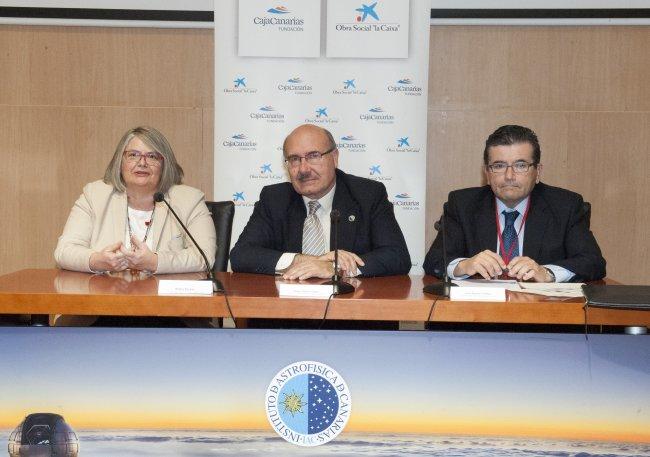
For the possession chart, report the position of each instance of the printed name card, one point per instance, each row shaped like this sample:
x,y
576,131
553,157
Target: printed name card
x,y
304,290
184,287
477,293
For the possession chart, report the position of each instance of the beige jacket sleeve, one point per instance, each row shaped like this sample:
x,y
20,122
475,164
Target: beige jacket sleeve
x,y
74,247
176,252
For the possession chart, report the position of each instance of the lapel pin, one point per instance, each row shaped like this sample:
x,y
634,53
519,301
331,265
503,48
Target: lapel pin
x,y
351,218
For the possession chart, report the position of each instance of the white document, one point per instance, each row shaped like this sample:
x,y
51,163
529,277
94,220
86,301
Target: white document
x,y
184,287
553,289
304,290
477,293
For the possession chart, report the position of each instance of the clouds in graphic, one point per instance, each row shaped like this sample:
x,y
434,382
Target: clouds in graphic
x,y
255,443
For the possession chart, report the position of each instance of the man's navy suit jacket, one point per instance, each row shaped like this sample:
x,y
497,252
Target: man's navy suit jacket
x,y
367,228
556,232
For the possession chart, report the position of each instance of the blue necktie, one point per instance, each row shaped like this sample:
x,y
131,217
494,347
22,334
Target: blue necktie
x,y
509,236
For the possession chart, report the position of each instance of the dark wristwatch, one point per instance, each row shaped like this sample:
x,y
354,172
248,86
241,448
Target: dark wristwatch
x,y
550,272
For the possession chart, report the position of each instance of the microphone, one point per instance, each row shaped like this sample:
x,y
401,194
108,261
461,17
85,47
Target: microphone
x,y
216,284
441,288
340,286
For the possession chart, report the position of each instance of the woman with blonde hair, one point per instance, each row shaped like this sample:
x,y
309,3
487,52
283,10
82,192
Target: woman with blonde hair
x,y
116,225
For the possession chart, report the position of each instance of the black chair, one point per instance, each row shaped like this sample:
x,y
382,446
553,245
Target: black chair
x,y
222,215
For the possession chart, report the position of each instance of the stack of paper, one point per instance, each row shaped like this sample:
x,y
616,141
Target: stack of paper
x,y
553,289
493,289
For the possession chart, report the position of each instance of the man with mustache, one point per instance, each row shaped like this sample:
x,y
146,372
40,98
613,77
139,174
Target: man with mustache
x,y
290,231
516,227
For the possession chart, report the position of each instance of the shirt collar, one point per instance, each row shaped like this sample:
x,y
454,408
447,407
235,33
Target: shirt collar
x,y
521,207
326,201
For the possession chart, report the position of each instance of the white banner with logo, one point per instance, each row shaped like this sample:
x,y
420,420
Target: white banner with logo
x,y
363,76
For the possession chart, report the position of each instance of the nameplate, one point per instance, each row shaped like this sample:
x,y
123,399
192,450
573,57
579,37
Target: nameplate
x,y
304,290
477,293
184,287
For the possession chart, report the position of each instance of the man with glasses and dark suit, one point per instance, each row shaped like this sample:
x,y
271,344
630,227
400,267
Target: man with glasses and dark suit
x,y
516,227
290,229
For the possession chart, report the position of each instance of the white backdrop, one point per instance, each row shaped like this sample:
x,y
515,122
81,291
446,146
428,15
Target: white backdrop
x,y
375,108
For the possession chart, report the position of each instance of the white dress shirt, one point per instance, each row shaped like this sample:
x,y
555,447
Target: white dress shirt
x,y
323,214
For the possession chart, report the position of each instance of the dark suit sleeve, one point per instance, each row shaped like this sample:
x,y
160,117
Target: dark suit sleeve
x,y
582,254
456,245
253,252
389,254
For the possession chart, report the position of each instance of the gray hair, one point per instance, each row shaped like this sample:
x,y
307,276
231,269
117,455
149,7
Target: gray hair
x,y
171,172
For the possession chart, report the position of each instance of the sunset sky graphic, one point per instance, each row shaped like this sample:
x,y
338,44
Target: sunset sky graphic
x,y
551,386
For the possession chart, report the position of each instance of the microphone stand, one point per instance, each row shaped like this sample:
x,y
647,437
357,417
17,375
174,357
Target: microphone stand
x,y
441,289
216,284
340,286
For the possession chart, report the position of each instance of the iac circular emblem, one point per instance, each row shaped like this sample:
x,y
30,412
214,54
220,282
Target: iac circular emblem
x,y
308,403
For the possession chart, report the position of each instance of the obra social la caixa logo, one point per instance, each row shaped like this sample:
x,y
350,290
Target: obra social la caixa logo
x,y
321,115
240,85
366,19
239,199
308,403
349,87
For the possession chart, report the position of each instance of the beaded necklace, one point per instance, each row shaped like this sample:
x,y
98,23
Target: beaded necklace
x,y
148,223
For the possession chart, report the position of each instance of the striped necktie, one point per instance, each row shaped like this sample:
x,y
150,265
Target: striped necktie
x,y
313,238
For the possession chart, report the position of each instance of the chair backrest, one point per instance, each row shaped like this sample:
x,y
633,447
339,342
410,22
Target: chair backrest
x,y
222,215
586,207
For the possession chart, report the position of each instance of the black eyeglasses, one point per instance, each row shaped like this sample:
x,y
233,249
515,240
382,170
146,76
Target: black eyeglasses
x,y
312,158
517,167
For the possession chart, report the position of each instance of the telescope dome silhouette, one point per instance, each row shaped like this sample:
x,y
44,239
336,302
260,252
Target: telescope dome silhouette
x,y
43,435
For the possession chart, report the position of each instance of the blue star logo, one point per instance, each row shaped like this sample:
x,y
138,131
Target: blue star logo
x,y
239,82
266,168
349,84
366,11
321,112
403,142
374,170
238,196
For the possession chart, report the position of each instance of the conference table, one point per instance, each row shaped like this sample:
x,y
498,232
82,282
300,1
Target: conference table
x,y
397,298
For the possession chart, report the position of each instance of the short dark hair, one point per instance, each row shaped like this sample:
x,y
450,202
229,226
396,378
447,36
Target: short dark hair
x,y
507,135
